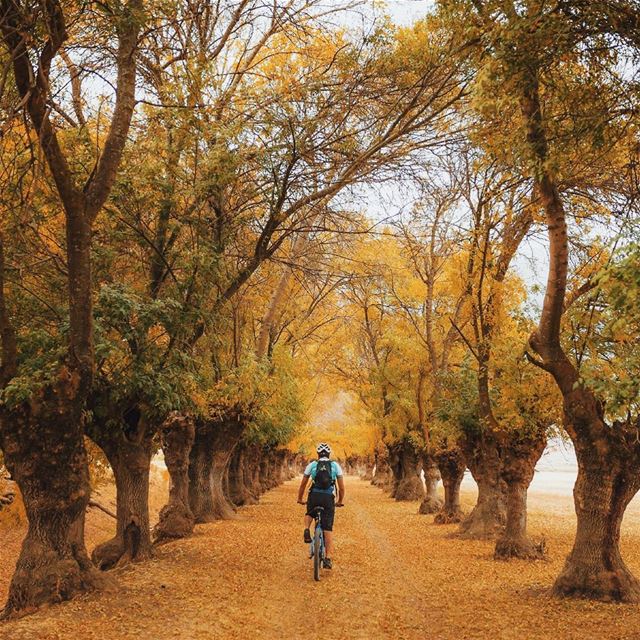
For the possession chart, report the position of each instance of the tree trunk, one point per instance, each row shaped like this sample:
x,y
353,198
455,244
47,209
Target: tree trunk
x,y
382,476
291,466
200,463
44,452
489,514
128,451
176,517
519,458
214,445
608,478
452,466
432,502
367,474
595,568
265,471
608,455
239,490
406,467
252,471
280,475
228,436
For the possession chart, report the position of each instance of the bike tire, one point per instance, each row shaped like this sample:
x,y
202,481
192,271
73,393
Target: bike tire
x,y
317,554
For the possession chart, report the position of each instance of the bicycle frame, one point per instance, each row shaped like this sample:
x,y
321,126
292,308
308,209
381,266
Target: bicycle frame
x,y
317,548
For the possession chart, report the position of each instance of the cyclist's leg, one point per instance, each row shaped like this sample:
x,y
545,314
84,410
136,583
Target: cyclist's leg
x,y
328,543
327,523
308,518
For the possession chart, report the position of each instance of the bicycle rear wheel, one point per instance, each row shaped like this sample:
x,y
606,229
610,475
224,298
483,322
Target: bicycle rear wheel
x,y
317,553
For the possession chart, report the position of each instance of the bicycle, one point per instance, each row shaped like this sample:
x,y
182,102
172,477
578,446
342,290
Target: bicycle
x,y
317,548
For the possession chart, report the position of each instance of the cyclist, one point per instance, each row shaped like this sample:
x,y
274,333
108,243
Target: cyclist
x,y
325,474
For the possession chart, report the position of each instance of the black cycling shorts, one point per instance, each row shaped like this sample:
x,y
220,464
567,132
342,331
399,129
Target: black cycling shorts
x,y
326,500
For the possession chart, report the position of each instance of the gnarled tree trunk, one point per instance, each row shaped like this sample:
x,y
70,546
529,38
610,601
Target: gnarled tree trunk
x,y
452,466
483,459
266,470
406,466
44,451
200,463
252,465
176,518
128,450
211,453
367,471
227,437
382,475
519,457
432,502
608,478
239,483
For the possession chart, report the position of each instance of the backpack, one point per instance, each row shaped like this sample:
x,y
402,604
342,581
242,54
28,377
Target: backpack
x,y
323,479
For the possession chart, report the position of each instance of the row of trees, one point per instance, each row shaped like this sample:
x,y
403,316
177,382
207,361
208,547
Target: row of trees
x,y
179,249
450,355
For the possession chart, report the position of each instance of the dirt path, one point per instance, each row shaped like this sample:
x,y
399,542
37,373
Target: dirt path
x,y
396,576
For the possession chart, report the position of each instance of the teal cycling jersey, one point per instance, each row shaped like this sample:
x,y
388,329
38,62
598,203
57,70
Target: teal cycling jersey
x,y
336,472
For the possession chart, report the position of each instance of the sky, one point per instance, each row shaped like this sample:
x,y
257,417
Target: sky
x,y
406,11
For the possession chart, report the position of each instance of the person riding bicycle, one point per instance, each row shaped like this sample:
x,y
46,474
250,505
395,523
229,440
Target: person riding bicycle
x,y
325,474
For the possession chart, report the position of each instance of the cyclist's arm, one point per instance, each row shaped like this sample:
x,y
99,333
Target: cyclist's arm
x,y
303,486
341,491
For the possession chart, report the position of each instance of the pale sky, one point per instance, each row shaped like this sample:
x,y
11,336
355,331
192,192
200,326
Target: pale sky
x,y
406,11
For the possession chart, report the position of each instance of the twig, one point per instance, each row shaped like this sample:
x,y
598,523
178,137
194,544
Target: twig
x,y
97,505
469,345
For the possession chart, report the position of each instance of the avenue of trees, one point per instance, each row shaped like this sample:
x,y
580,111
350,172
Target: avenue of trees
x,y
187,265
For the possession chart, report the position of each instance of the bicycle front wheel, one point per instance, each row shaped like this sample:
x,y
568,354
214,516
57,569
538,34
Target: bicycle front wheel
x,y
317,553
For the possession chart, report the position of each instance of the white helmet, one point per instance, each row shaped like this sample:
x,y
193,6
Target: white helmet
x,y
324,450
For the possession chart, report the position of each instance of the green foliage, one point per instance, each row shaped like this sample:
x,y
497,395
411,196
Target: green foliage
x,y
268,394
41,355
457,409
133,351
609,345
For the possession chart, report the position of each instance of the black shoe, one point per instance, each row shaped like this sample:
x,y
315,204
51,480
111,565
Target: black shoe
x,y
327,563
307,536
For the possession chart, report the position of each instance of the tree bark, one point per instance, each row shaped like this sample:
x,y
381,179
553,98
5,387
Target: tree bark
x,y
176,518
452,467
266,471
367,474
488,516
519,458
432,502
128,450
227,438
406,467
